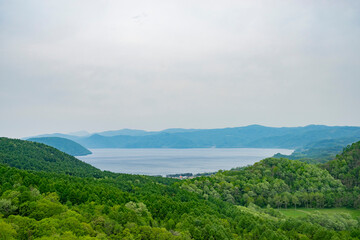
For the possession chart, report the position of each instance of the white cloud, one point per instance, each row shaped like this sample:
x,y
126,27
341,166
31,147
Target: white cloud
x,y
99,65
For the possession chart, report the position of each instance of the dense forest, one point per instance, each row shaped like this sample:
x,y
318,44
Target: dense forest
x,y
65,145
275,182
47,194
41,157
346,166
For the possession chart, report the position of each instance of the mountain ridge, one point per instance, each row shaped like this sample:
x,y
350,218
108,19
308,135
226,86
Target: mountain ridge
x,y
252,136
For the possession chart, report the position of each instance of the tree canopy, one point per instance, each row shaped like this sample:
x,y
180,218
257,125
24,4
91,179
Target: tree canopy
x,y
39,203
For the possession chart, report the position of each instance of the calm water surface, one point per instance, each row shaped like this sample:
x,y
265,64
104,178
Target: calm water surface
x,y
171,161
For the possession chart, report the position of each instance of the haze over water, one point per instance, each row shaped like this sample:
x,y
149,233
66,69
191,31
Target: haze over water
x,y
173,161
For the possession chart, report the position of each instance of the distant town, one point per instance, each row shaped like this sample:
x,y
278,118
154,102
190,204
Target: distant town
x,y
182,176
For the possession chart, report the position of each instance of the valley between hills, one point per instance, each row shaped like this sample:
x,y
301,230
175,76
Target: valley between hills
x,y
48,194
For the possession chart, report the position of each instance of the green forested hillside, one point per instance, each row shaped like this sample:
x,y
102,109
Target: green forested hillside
x,y
346,166
40,205
37,156
66,145
277,182
321,151
49,205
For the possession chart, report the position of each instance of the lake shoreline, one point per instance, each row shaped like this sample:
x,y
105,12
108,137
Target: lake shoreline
x,y
167,161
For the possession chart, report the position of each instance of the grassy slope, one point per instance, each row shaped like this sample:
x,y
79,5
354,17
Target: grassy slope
x,y
301,212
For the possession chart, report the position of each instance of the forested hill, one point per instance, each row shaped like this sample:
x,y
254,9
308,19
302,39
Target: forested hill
x,y
46,205
277,182
65,145
40,157
253,136
321,151
346,166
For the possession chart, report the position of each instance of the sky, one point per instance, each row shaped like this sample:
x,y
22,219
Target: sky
x,y
99,65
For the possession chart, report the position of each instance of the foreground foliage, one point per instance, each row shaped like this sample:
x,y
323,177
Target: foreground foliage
x,y
49,205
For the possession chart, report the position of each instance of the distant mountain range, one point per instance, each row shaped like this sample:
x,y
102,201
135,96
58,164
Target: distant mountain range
x,y
253,136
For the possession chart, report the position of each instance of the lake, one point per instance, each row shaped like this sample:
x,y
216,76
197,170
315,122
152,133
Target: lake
x,y
163,161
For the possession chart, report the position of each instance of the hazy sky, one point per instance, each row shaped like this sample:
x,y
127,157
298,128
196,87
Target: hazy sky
x,y
100,65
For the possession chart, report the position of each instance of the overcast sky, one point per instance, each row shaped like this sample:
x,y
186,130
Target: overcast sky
x,y
100,65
